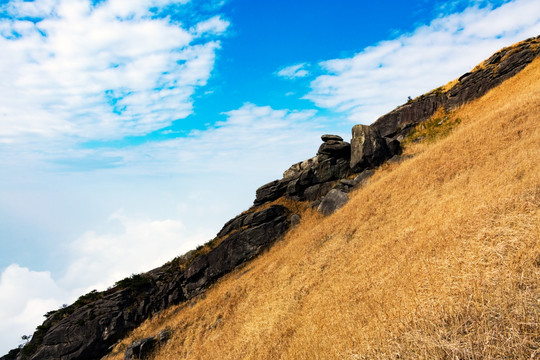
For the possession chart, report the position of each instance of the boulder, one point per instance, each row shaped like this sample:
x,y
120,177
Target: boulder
x,y
164,336
295,220
231,225
295,170
140,349
368,148
317,191
271,191
328,137
362,178
394,146
335,149
333,201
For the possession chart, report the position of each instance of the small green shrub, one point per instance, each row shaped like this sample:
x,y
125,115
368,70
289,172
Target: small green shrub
x,y
134,282
438,126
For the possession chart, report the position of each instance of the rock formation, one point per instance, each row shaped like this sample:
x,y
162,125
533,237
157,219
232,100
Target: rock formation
x,y
369,149
502,65
336,160
89,328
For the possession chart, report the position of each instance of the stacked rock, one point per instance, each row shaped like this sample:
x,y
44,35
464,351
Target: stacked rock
x,y
333,146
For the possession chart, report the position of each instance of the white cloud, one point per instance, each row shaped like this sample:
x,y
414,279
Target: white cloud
x,y
253,141
381,77
25,296
215,25
132,245
100,72
294,71
96,260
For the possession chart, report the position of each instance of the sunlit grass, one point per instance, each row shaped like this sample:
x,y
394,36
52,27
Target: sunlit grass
x,y
438,257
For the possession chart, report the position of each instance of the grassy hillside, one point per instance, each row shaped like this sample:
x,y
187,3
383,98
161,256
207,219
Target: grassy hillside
x,y
437,257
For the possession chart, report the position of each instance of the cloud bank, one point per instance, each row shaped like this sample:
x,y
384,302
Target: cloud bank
x,y
381,77
96,261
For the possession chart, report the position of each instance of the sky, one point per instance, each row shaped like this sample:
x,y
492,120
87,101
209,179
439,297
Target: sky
x,y
132,130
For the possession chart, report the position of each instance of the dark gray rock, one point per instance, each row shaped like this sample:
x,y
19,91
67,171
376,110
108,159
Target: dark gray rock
x,y
141,349
263,216
317,191
499,67
333,201
270,192
348,182
236,249
394,146
295,220
368,148
295,170
164,336
342,187
231,225
401,120
331,169
335,149
250,219
361,179
328,137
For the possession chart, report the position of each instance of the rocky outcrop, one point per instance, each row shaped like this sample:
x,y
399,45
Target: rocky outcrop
x,y
312,179
239,247
88,328
12,355
369,149
333,147
502,65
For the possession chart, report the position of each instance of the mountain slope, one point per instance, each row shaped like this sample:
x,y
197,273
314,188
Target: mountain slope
x,y
437,257
93,325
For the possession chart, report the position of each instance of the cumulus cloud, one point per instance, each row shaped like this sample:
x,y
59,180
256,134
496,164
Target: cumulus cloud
x,y
25,296
382,76
100,71
132,245
294,71
215,25
97,260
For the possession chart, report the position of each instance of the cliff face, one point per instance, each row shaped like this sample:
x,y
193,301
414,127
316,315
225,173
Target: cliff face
x,y
91,326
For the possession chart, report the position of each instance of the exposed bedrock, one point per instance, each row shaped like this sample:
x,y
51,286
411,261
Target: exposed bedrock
x,y
86,330
502,65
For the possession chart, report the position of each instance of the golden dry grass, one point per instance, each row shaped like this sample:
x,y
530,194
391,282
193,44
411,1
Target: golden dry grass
x,y
436,258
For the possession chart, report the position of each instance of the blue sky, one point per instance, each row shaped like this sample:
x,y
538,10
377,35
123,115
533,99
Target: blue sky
x,y
131,130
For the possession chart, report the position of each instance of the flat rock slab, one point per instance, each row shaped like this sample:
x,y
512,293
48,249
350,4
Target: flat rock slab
x,y
328,137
